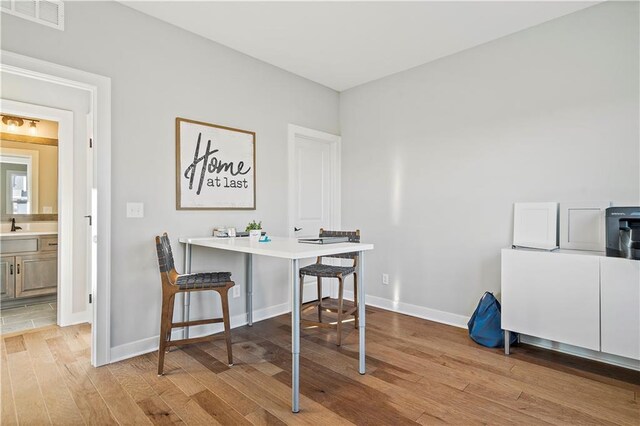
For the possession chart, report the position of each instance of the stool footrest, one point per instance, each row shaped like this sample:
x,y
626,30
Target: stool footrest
x,y
196,322
192,340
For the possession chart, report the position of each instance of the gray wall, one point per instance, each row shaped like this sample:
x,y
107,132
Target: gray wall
x,y
160,72
434,157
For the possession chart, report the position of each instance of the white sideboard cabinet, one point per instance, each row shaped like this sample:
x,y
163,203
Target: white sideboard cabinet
x,y
581,299
620,306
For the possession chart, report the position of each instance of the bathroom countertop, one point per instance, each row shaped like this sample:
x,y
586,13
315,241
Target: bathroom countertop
x,y
21,233
29,229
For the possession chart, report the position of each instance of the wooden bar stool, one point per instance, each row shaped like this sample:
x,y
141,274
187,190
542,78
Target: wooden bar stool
x,y
321,271
174,283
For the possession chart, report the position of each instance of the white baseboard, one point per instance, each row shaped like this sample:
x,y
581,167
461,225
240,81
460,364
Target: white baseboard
x,y
76,318
581,352
414,310
150,344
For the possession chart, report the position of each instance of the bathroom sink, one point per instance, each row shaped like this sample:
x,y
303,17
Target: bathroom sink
x,y
29,228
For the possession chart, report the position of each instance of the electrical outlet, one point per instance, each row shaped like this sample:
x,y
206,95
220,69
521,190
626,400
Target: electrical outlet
x,y
385,279
236,291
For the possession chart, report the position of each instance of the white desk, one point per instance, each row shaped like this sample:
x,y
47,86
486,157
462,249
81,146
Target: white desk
x,y
288,248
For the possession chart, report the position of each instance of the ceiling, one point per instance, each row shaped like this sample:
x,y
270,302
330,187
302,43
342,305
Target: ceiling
x,y
345,44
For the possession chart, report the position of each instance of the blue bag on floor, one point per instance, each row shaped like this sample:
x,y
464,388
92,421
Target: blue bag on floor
x,y
485,325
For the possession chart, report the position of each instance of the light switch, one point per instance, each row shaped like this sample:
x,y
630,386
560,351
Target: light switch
x,y
135,210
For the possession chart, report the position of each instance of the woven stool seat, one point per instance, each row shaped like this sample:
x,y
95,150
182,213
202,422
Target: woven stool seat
x,y
203,280
327,271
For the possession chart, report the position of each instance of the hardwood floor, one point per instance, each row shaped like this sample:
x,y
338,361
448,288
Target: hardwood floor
x,y
417,372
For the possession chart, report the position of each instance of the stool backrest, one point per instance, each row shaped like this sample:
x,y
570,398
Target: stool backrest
x,y
354,237
165,255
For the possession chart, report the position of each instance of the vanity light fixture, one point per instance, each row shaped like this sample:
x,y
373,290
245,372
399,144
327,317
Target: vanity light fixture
x,y
13,123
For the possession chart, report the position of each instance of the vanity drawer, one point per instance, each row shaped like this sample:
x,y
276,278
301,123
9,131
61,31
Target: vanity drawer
x,y
10,245
49,244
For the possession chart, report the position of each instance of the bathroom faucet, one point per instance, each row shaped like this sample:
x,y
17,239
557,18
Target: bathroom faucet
x,y
14,228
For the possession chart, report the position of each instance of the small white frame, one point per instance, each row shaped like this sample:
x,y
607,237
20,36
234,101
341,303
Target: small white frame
x,y
535,225
582,225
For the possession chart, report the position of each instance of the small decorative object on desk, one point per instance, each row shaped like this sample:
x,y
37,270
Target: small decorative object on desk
x,y
220,232
231,232
324,240
254,229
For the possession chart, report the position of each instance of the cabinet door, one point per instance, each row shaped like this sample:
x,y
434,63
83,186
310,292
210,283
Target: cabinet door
x,y
553,296
620,298
7,274
36,275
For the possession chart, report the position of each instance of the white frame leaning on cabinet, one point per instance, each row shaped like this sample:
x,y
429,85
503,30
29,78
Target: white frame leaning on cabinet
x,y
524,222
597,210
99,89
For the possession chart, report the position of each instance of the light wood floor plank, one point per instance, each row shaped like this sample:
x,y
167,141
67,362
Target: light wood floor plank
x,y
7,404
153,406
58,400
60,405
186,408
92,407
213,383
120,403
418,372
29,403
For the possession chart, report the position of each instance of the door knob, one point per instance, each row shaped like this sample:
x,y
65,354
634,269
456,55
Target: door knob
x,y
296,229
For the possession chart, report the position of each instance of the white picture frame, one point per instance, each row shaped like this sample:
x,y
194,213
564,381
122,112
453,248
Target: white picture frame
x,y
582,225
535,225
215,167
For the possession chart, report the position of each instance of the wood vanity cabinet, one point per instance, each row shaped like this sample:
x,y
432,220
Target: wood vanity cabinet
x,y
7,282
28,267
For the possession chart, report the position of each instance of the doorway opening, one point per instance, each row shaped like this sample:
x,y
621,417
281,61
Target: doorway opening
x,y
29,261
314,191
38,83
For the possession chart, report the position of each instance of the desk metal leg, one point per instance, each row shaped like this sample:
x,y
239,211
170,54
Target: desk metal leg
x,y
507,341
361,314
186,298
249,279
295,335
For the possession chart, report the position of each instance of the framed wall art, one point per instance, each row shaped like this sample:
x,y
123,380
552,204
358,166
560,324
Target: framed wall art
x,y
215,167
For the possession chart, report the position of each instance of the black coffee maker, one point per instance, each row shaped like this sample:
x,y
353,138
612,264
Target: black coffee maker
x,y
623,232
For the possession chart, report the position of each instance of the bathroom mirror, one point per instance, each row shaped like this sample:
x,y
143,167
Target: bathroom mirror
x,y
28,177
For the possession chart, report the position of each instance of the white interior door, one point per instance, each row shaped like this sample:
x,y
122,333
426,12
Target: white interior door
x,y
314,189
312,186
